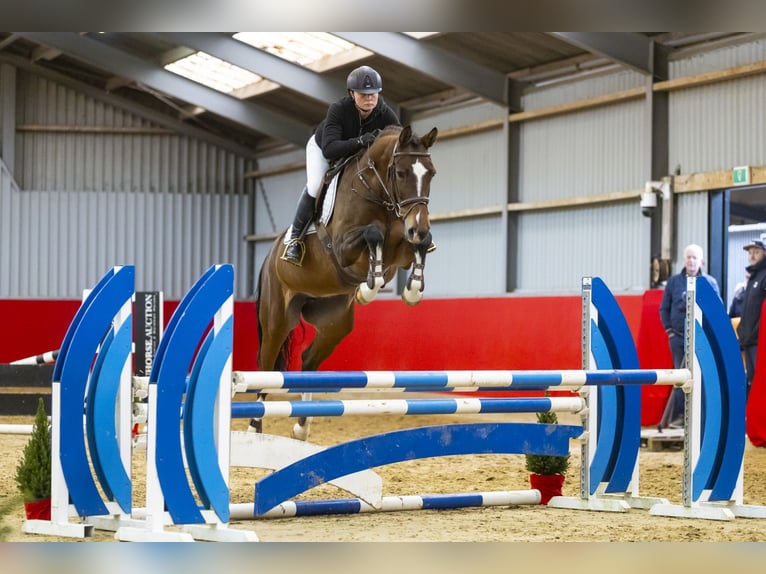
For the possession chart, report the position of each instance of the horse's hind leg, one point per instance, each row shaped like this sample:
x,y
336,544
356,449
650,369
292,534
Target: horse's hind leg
x,y
333,320
302,428
276,319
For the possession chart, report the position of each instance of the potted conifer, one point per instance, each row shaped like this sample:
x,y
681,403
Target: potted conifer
x,y
33,473
547,472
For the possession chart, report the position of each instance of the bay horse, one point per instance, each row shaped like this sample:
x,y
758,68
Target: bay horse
x,y
379,224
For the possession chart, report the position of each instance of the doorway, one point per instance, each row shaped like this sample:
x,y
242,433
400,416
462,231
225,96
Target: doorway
x,y
737,215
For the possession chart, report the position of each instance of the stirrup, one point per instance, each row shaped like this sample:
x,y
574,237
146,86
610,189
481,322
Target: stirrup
x,y
292,257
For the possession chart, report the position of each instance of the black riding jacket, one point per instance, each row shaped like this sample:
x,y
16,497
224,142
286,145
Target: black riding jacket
x,y
338,133
755,293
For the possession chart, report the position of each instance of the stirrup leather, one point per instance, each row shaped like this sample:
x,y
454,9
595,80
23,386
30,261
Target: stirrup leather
x,y
295,242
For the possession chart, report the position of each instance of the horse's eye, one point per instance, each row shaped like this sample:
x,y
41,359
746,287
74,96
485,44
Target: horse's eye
x,y
401,174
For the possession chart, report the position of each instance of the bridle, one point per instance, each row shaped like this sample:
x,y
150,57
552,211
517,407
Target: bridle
x,y
391,202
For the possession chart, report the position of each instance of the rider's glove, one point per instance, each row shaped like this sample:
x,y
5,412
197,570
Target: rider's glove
x,y
366,139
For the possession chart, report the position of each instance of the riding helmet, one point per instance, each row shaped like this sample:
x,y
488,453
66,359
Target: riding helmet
x,y
364,80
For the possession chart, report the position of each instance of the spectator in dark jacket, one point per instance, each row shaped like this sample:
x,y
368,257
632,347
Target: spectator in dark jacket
x,y
673,316
735,309
755,293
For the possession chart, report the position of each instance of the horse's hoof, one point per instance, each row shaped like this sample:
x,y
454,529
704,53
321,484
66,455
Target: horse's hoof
x,y
300,432
364,294
412,296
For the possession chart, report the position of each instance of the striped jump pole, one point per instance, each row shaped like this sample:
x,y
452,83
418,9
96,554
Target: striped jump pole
x,y
444,381
291,508
338,408
15,429
41,359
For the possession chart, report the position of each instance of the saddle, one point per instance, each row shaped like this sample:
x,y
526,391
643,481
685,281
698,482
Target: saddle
x,y
335,170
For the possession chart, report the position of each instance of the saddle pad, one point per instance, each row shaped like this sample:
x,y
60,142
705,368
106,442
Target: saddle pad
x,y
327,206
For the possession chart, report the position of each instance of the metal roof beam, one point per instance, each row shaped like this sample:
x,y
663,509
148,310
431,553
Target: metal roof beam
x,y
130,106
435,62
260,62
630,49
248,114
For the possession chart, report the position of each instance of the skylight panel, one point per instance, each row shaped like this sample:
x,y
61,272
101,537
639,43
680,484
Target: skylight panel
x,y
420,35
213,72
318,51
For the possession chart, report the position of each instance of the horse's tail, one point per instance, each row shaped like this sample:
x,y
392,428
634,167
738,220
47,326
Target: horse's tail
x,y
258,302
283,358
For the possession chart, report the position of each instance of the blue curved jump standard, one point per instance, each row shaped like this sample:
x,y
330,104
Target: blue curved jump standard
x,y
100,415
182,337
723,379
174,319
706,470
199,420
91,324
410,444
619,425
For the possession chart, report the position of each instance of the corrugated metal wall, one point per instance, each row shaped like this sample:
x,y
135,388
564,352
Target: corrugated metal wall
x,y
84,202
593,152
470,174
691,226
557,248
714,127
720,125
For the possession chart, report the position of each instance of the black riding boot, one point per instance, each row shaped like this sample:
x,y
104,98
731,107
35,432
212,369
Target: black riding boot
x,y
296,248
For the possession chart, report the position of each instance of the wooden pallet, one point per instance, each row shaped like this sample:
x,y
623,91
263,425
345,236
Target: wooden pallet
x,y
667,439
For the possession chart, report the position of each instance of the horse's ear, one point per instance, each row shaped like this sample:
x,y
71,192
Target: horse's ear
x,y
429,139
405,136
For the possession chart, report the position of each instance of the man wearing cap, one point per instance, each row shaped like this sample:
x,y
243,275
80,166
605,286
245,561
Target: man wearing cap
x,y
755,293
673,317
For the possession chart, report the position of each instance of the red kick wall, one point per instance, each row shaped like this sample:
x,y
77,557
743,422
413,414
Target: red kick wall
x,y
468,333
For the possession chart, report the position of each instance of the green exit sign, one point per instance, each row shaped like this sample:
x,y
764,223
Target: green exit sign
x,y
741,175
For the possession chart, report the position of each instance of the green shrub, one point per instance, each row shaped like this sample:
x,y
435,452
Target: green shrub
x,y
33,474
546,464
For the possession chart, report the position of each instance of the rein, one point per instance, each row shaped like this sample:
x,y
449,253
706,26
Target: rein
x,y
391,202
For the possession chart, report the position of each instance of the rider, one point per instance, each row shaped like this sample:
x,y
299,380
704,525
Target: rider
x,y
347,128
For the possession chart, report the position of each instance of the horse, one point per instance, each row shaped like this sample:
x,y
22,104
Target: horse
x,y
379,224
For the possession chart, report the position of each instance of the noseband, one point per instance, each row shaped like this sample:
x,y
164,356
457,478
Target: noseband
x,y
391,201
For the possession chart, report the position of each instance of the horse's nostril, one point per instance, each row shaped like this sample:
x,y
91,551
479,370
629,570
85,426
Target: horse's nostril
x,y
416,235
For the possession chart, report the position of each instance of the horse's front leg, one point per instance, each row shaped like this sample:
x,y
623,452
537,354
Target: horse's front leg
x,y
368,290
412,293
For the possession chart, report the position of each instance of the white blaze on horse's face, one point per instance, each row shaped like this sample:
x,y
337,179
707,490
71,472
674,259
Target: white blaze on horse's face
x,y
417,223
419,170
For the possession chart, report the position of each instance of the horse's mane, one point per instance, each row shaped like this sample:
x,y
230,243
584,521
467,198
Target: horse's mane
x,y
391,129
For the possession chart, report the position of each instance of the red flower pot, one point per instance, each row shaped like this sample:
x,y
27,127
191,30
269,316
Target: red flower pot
x,y
38,509
549,485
